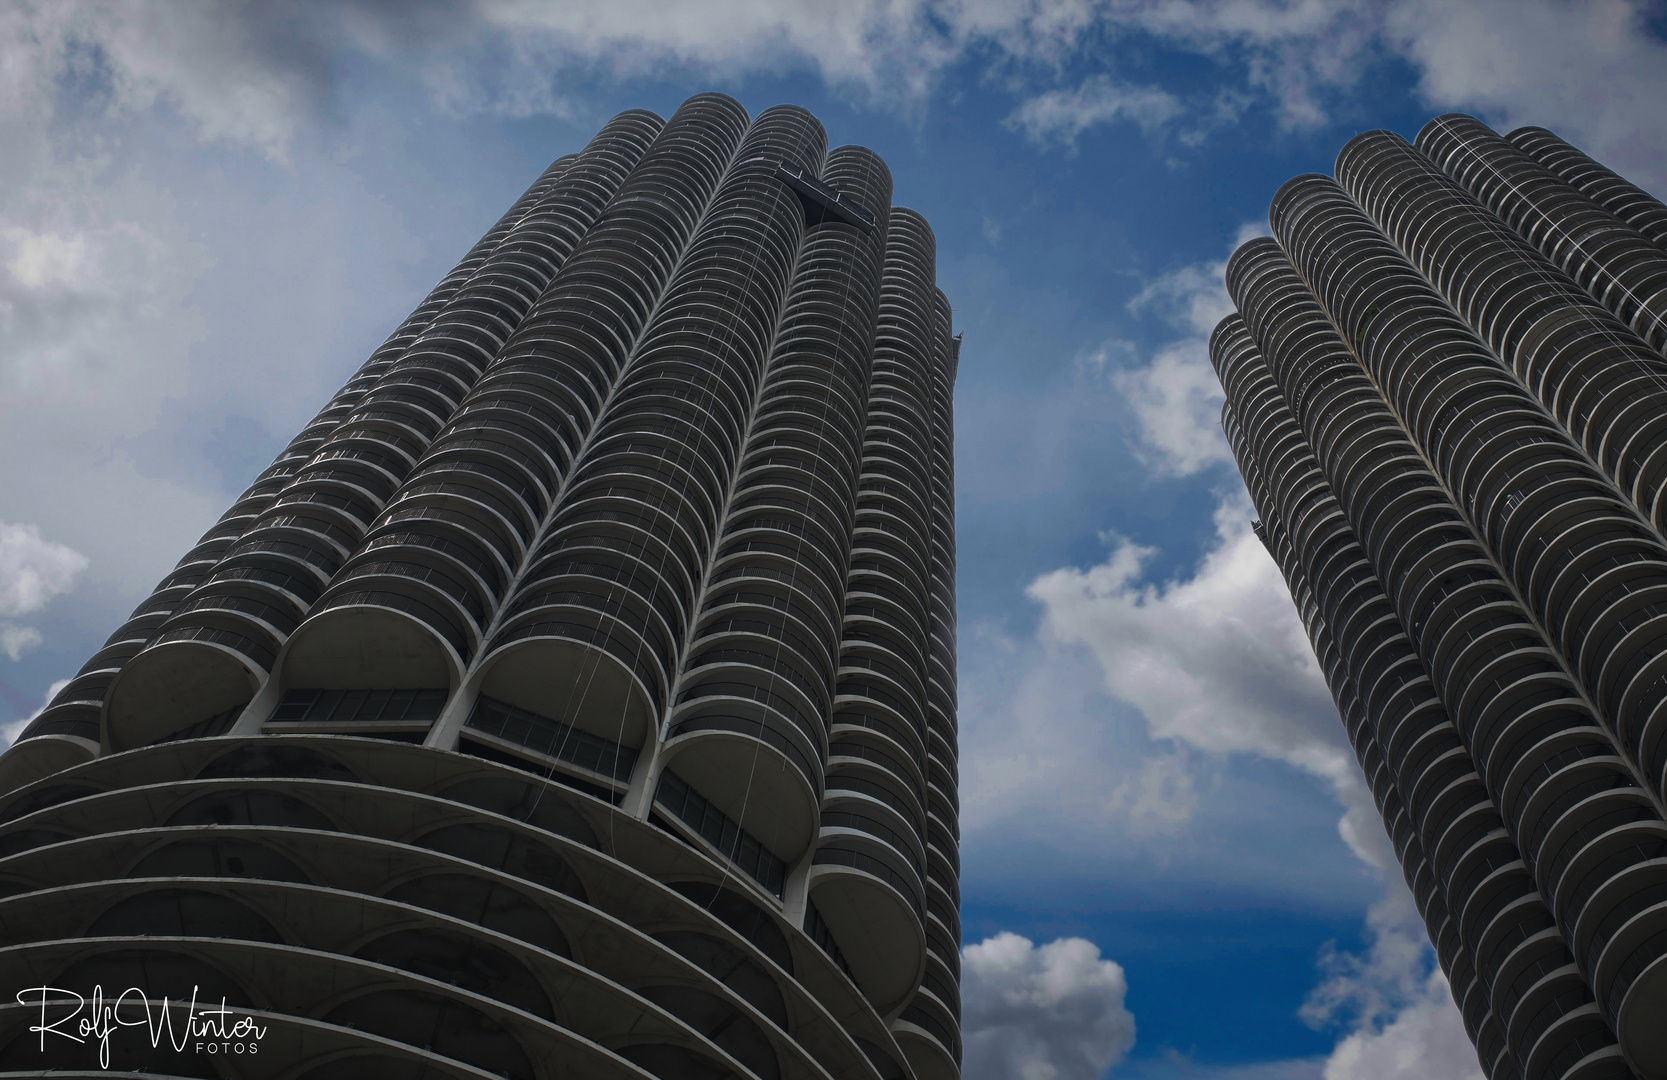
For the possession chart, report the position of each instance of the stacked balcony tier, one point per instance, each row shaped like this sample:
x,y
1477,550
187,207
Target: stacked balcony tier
x,y
639,533
1444,393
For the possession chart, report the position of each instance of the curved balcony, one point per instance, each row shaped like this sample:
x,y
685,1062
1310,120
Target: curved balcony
x,y
174,684
1625,200
1477,864
875,920
1618,266
304,857
572,681
761,771
635,502
333,499
254,502
369,641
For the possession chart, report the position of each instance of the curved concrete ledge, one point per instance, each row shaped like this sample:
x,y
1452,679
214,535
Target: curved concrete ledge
x,y
358,648
171,686
751,781
571,683
816,994
877,930
35,759
930,1059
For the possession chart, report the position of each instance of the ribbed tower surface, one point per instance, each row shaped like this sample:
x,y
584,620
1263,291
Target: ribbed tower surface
x,y
1447,394
575,695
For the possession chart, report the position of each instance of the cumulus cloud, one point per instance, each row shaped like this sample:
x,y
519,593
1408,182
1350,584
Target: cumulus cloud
x,y
96,327
33,570
1395,1003
1062,115
1048,1012
10,732
1217,661
243,74
15,640
1426,1040
1590,71
1175,396
255,73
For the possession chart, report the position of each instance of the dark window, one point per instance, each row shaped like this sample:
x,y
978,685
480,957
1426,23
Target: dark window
x,y
360,706
721,831
552,738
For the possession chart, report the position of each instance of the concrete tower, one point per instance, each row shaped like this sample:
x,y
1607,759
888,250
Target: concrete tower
x,y
575,695
1447,395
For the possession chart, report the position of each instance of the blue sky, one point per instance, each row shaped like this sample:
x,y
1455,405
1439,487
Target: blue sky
x,y
209,216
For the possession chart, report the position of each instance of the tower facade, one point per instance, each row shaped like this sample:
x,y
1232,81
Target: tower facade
x,y
1447,395
575,695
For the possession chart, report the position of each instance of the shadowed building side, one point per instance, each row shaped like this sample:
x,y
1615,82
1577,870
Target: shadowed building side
x,y
575,695
1443,394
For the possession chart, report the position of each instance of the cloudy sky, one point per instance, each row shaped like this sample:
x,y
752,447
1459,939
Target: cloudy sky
x,y
209,215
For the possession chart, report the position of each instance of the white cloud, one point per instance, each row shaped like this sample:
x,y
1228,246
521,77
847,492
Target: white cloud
x,y
1049,1012
10,732
1177,404
15,640
1173,1065
254,74
1159,800
1589,70
96,328
1218,661
1405,1023
45,259
1425,1041
1176,397
33,569
242,75
1062,115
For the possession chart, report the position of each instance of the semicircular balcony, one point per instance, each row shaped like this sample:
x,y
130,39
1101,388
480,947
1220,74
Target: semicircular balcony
x,y
576,671
926,1016
768,596
865,900
343,919
186,677
372,640
752,763
57,740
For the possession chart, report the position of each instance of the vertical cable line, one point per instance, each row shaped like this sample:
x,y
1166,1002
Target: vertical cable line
x,y
593,454
449,942
1631,440
613,603
799,293
1232,352
688,663
1631,445
805,153
704,231
883,675
934,1010
549,388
